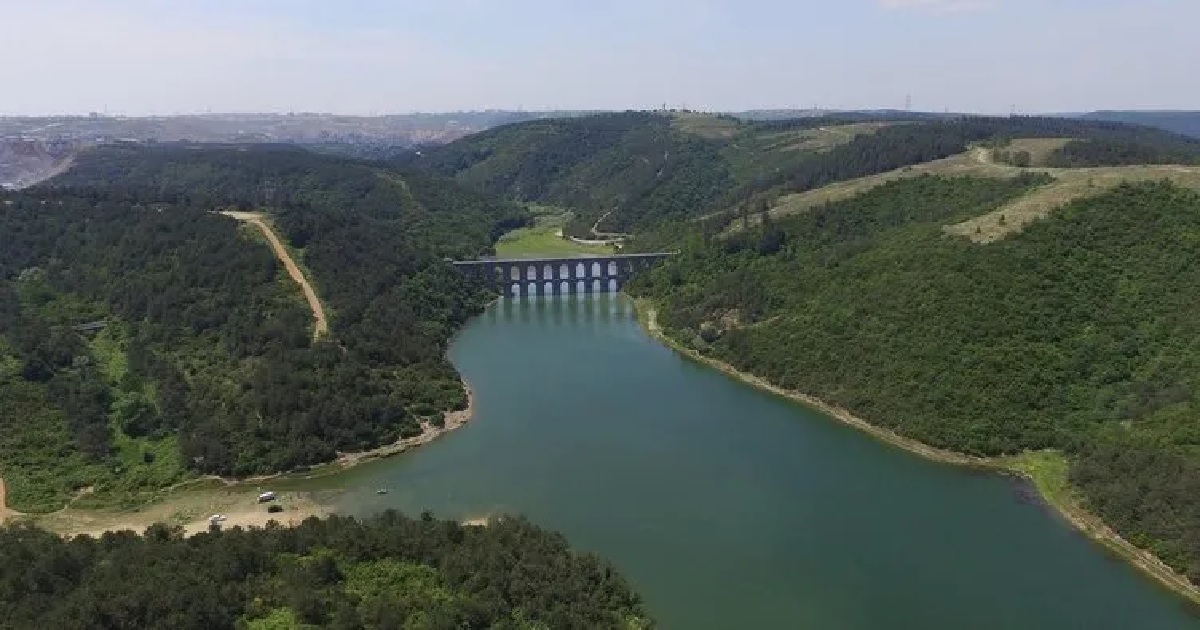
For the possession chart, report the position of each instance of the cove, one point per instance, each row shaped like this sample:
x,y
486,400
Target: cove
x,y
728,507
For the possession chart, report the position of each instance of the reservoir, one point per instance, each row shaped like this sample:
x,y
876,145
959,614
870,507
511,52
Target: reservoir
x,y
730,508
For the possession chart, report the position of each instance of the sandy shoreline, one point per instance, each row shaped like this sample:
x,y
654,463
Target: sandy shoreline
x,y
1074,513
191,511
237,498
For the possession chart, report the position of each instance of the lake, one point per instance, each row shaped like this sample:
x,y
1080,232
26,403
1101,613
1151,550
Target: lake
x,y
728,507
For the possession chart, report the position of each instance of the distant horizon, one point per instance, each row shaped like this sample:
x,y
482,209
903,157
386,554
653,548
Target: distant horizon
x,y
916,112
141,58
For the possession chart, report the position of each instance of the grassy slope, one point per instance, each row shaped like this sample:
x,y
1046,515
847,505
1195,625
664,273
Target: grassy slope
x,y
1071,184
545,238
40,478
751,152
1039,149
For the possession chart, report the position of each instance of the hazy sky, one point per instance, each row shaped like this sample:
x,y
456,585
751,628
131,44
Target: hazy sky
x,y
389,56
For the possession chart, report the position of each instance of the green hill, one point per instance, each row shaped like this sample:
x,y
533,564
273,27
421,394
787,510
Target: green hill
x,y
1077,333
207,363
995,160
636,171
385,572
1180,122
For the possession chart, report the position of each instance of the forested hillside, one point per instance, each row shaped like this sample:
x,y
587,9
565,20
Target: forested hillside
x,y
633,164
1183,123
206,364
1078,333
1103,152
386,572
641,170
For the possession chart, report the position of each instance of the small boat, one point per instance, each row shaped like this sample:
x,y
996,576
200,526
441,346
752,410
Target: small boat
x,y
381,491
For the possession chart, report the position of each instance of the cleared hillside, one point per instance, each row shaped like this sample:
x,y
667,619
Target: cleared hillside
x,y
1069,185
25,162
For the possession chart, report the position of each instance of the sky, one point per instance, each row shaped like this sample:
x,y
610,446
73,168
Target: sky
x,y
138,57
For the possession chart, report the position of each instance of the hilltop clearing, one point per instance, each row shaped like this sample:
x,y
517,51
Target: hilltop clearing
x,y
1025,151
706,125
821,138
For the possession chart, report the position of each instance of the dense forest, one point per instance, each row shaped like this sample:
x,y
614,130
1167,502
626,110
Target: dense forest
x,y
1184,123
638,171
1079,333
386,572
207,363
1077,153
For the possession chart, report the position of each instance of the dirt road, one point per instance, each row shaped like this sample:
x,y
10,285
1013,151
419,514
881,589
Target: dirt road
x,y
321,327
5,513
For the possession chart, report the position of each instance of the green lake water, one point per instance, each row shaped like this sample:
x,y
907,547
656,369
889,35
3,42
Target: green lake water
x,y
731,508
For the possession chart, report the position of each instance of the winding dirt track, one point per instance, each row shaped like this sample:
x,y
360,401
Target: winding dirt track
x,y
321,326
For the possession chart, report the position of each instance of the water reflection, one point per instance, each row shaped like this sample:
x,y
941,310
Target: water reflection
x,y
569,309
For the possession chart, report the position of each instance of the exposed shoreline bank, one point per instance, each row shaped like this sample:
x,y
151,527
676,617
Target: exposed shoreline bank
x,y
1064,504
235,499
451,420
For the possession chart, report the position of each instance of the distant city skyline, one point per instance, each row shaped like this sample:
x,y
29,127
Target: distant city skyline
x,y
372,57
